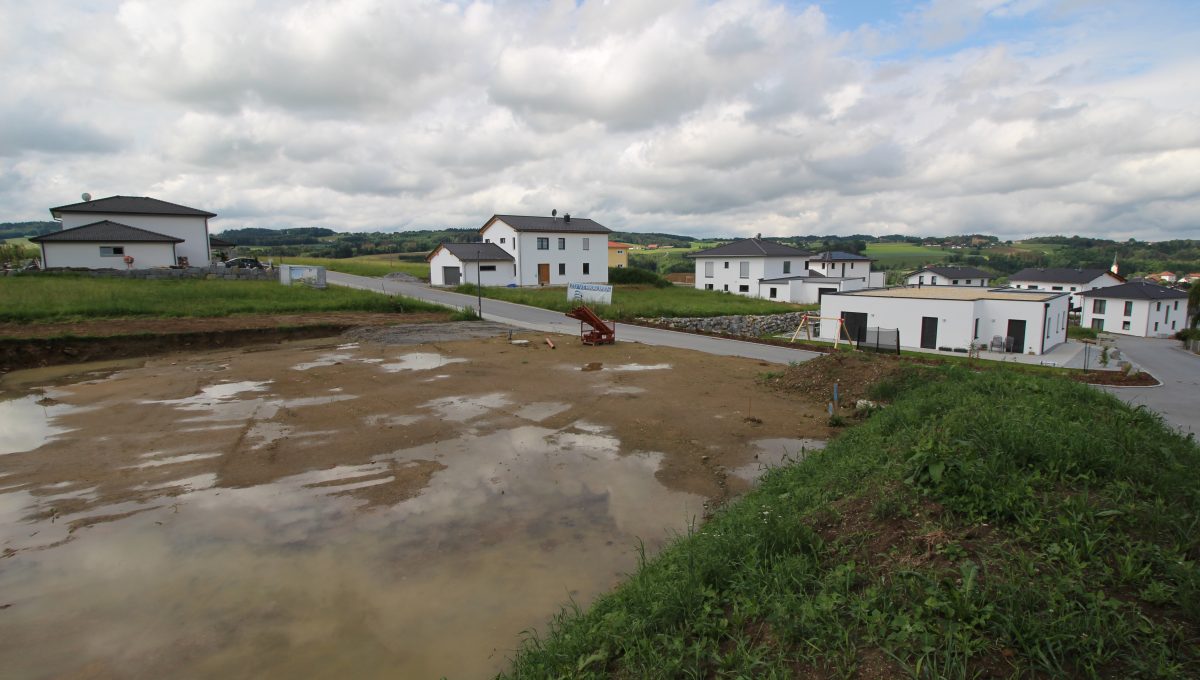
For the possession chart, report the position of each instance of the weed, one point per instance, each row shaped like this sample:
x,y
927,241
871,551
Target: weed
x,y
466,314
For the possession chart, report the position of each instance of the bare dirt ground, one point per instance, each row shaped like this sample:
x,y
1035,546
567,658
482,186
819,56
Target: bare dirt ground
x,y
257,414
136,326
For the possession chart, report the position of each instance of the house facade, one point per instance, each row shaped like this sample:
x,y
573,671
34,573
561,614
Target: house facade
x,y
618,255
953,317
1138,308
766,269
937,275
1067,280
103,233
485,264
551,251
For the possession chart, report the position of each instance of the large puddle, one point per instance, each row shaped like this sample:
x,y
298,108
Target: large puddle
x,y
345,513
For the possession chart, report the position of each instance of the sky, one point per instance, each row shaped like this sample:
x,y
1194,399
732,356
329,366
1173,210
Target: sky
x,y
1009,117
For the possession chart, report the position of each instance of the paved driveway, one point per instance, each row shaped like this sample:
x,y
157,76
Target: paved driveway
x,y
1178,398
547,321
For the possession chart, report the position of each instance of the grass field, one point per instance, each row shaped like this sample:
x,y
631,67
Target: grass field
x,y
365,265
630,301
68,298
988,524
904,254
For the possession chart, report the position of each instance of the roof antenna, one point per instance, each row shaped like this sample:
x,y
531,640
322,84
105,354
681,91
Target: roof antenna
x,y
86,197
554,213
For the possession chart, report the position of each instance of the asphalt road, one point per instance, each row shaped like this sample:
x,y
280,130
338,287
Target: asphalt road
x,y
546,321
1178,398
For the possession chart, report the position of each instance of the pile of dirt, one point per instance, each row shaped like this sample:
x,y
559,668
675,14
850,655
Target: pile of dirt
x,y
402,278
854,373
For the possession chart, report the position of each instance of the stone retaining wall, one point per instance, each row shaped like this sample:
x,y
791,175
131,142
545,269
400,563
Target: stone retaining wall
x,y
215,272
750,326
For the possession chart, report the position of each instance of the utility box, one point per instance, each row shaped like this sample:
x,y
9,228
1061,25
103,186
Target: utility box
x,y
305,274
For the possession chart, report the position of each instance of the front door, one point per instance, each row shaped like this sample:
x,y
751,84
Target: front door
x,y
856,325
451,276
543,274
929,332
1016,331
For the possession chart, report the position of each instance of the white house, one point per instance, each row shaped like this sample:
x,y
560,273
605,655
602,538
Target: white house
x,y
954,317
1137,308
101,234
757,268
938,275
1064,279
544,251
484,263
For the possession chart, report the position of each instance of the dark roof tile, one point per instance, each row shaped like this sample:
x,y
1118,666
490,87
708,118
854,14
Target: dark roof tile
x,y
751,247
575,225
130,205
1059,275
475,252
106,231
1136,290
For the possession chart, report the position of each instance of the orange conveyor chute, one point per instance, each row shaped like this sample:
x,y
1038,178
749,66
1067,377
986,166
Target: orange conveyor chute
x,y
601,333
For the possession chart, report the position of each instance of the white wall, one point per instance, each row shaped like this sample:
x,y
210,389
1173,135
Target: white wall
x,y
523,246
928,278
851,269
1102,281
503,275
80,254
994,316
806,291
727,274
192,229
1168,314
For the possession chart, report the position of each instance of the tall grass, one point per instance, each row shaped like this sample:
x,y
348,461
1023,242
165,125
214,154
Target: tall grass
x,y
985,523
66,298
362,266
631,301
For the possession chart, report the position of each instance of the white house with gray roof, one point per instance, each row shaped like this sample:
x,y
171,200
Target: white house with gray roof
x,y
758,268
528,251
1138,308
938,275
103,233
1064,279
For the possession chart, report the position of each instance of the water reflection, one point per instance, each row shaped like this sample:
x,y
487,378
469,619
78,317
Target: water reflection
x,y
28,422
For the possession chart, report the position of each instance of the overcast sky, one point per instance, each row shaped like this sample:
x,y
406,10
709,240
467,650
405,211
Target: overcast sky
x,y
1011,117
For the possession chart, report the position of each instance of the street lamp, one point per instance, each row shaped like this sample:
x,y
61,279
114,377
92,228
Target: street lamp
x,y
478,281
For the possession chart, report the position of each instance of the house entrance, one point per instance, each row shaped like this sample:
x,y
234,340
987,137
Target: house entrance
x,y
1016,331
543,274
929,326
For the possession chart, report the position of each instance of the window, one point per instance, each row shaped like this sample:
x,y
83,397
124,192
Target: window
x,y
954,281
543,243
787,269
1098,324
1157,307
1072,289
743,270
487,267
1177,304
1124,325
708,270
620,266
562,269
1031,287
620,252
487,240
727,264
1128,308
743,288
968,282
112,251
562,244
502,239
1098,306
771,293
587,243
725,288
708,286
976,329
933,280
1055,287
587,267
1156,326
1172,325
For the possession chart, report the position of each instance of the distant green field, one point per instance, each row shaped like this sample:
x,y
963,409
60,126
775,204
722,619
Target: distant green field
x,y
20,240
630,301
365,265
904,254
69,298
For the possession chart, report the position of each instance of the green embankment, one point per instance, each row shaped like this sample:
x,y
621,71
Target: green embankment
x,y
905,255
985,524
66,298
631,301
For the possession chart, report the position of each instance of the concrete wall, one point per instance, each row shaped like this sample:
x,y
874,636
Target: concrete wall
x,y
747,325
569,259
213,272
81,254
1169,315
193,230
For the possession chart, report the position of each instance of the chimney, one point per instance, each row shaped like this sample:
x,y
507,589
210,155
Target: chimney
x,y
566,217
758,236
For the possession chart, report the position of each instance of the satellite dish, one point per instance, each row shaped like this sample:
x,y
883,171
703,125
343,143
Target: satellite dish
x,y
86,196
554,213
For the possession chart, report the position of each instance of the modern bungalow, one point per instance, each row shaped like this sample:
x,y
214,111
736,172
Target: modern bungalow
x,y
539,251
1138,308
766,269
122,232
953,317
938,275
1064,279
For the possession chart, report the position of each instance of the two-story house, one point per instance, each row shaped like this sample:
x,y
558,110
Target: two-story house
x,y
1138,308
121,232
1064,279
766,269
527,251
938,275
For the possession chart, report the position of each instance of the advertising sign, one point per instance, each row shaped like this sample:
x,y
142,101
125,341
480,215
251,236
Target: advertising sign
x,y
596,293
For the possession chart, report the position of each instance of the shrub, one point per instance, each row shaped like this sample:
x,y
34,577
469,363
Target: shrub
x,y
629,275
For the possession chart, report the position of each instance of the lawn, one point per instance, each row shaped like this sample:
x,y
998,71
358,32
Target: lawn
x,y
71,298
991,524
907,255
365,265
630,301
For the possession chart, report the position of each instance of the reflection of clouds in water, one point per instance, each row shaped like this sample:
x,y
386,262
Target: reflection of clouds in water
x,y
460,409
419,361
25,424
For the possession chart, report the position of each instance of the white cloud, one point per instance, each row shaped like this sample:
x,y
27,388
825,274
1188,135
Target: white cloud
x,y
734,117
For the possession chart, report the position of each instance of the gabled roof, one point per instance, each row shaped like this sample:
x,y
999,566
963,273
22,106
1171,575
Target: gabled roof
x,y
1061,275
838,256
474,252
129,205
618,244
1136,290
107,232
220,242
572,225
751,247
956,272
